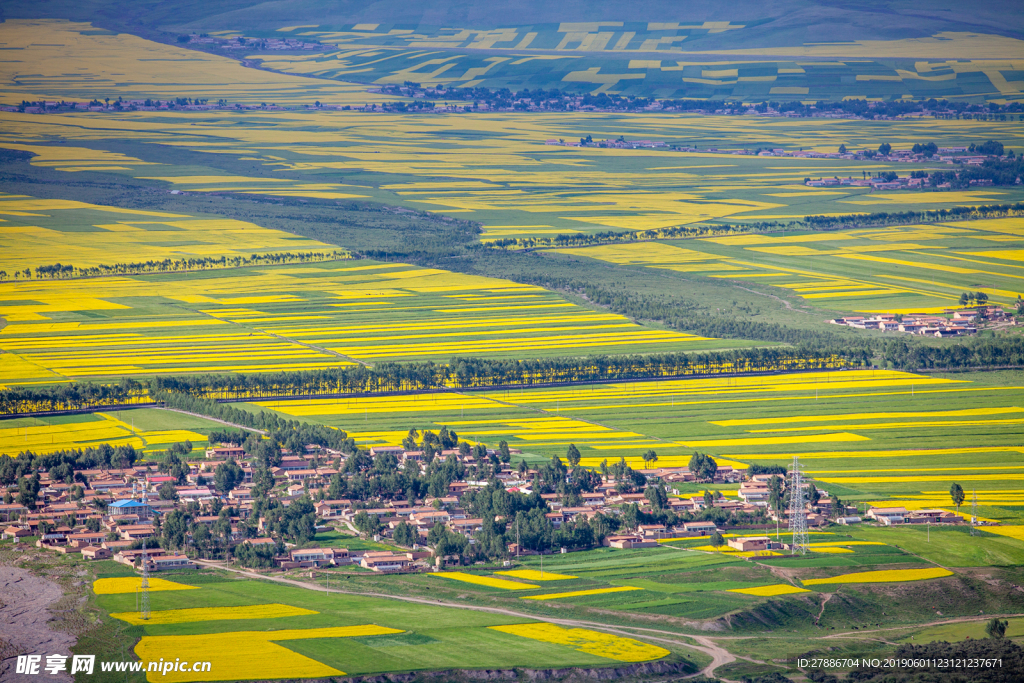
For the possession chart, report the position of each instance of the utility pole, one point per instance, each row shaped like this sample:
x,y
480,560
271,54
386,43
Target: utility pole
x,y
974,509
517,537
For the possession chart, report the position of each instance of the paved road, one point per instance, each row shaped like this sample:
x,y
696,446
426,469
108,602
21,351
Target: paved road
x,y
719,656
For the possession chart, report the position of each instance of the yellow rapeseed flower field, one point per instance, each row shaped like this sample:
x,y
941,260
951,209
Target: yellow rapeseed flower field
x,y
109,235
574,594
1010,531
535,575
129,584
488,581
883,576
105,428
194,614
770,591
157,70
592,642
242,655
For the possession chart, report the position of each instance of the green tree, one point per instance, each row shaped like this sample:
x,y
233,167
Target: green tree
x,y
174,528
649,457
367,524
717,540
630,516
227,476
775,493
657,497
405,535
504,454
167,491
884,148
572,454
996,628
702,467
956,492
842,149
28,491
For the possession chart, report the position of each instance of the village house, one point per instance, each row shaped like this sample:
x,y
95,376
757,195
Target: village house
x,y
314,557
888,516
384,561
93,552
165,562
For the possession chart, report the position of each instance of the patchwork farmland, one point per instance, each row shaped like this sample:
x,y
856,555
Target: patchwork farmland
x,y
456,341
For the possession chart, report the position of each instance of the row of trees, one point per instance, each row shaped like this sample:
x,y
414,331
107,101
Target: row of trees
x,y
72,396
1000,172
463,373
66,270
883,218
978,353
614,236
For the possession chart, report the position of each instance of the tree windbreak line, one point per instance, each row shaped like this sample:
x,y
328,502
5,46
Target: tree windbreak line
x,y
997,171
204,393
73,396
956,213
63,271
609,236
468,373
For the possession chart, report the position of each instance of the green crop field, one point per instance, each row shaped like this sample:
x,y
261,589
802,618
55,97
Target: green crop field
x,y
307,633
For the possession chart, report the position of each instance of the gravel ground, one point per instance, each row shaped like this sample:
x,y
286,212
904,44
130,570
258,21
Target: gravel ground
x,y
24,623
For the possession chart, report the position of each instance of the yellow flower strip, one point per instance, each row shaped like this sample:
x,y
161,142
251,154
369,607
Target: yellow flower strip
x,y
488,581
129,584
183,616
573,594
1008,531
770,591
534,575
584,640
884,576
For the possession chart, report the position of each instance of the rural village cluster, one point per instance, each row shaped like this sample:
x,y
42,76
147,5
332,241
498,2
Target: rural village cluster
x,y
109,513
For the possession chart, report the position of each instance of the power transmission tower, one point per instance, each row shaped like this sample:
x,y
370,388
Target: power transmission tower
x,y
797,516
144,586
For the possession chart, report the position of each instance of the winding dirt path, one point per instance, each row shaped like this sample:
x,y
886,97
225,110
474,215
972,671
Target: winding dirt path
x,y
719,655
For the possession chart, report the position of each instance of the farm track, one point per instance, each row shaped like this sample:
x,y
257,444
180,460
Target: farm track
x,y
719,656
213,419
